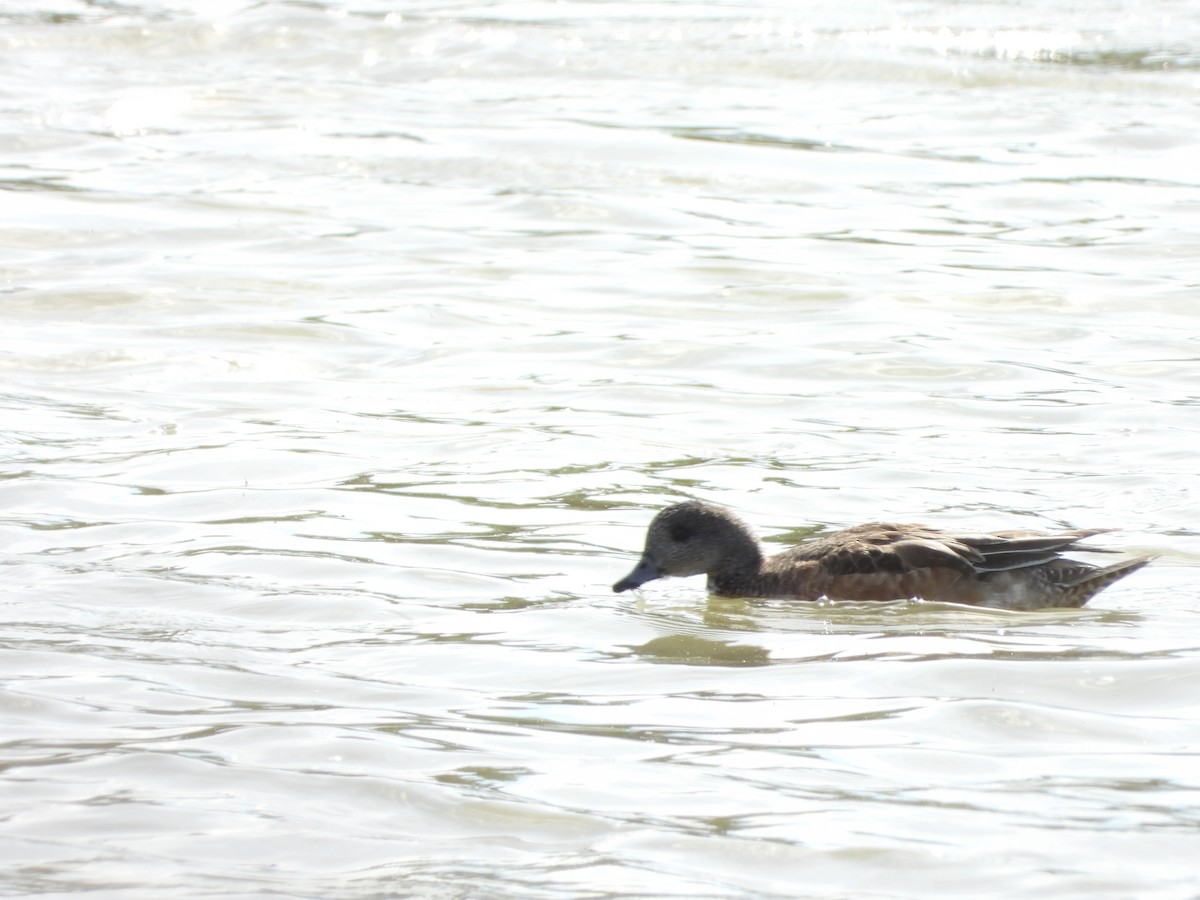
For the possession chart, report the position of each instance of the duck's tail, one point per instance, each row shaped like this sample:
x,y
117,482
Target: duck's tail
x,y
1078,583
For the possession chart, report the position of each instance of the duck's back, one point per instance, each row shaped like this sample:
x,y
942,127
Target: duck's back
x,y
888,561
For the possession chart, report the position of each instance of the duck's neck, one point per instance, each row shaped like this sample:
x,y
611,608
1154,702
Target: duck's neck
x,y
739,567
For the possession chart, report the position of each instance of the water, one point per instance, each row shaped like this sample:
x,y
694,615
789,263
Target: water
x,y
349,348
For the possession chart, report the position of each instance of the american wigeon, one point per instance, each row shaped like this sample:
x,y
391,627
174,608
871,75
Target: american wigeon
x,y
876,561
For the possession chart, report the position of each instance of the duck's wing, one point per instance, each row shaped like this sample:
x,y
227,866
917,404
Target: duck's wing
x,y
1007,550
879,547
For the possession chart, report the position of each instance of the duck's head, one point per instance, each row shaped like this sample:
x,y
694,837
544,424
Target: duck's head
x,y
693,538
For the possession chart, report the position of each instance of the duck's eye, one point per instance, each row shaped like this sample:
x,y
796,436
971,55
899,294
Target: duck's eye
x,y
681,533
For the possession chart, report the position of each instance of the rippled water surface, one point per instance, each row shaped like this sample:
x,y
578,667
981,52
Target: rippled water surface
x,y
348,348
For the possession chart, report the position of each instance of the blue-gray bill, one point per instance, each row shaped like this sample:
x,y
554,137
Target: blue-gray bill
x,y
644,571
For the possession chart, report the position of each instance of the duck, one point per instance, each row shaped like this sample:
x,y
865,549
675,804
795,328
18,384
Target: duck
x,y
1018,570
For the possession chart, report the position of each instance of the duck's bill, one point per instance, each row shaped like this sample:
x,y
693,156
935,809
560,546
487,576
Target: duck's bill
x,y
644,571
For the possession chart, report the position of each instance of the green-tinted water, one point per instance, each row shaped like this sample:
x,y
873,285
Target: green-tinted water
x,y
347,352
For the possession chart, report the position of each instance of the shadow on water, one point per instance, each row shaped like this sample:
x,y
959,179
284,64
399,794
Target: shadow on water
x,y
692,650
730,632
899,616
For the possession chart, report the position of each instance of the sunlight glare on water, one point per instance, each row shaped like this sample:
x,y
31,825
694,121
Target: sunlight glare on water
x,y
348,350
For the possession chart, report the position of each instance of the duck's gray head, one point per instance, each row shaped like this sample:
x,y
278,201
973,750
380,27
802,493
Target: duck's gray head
x,y
693,538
